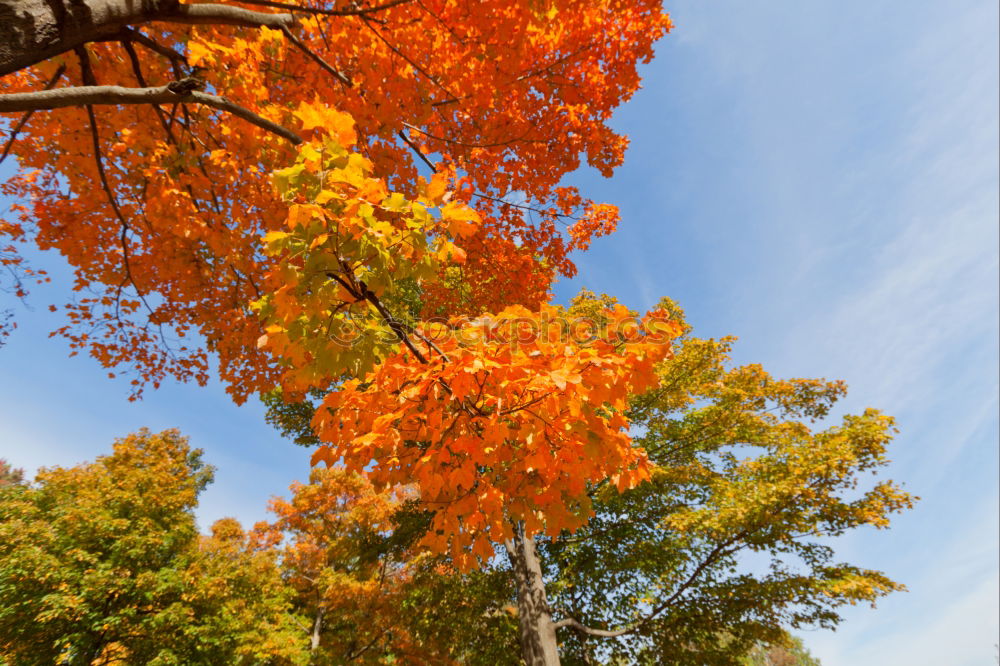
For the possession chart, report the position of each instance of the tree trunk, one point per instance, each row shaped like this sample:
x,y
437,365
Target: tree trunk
x,y
317,630
538,633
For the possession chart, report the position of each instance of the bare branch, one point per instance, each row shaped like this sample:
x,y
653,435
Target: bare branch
x,y
337,74
471,145
154,46
416,149
532,209
90,95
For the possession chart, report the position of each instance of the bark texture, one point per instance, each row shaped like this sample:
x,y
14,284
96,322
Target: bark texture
x,y
537,631
34,30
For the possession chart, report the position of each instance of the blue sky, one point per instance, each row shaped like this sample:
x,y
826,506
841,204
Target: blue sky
x,y
817,178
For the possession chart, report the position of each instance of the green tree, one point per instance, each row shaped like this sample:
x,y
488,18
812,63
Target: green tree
x,y
10,476
730,542
102,563
792,654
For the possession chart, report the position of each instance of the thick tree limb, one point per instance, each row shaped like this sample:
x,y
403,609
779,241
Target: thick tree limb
x,y
32,31
210,14
83,95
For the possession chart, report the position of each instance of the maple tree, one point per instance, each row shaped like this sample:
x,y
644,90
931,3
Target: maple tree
x,y
346,598
158,198
102,563
728,545
499,99
364,594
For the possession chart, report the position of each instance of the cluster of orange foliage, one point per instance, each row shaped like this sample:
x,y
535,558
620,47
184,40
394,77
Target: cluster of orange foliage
x,y
163,228
161,212
509,422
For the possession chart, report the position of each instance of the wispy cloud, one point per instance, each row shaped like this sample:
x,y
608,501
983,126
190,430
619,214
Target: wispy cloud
x,y
821,179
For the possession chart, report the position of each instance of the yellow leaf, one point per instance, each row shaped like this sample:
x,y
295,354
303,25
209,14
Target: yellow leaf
x,y
325,196
197,52
337,124
274,236
462,220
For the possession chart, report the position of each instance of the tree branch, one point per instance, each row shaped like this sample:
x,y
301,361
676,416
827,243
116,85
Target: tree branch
x,y
90,95
210,14
337,74
468,144
417,150
714,554
398,327
590,631
154,46
32,31
361,11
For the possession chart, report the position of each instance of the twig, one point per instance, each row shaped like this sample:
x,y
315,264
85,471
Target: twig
x,y
337,74
472,145
417,150
523,207
154,46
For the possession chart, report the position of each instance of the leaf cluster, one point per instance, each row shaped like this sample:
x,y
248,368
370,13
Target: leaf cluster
x,y
103,562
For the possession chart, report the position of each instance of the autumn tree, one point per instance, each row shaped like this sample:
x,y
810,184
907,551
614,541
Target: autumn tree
x,y
146,133
102,563
347,597
497,99
728,546
792,654
10,476
364,594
